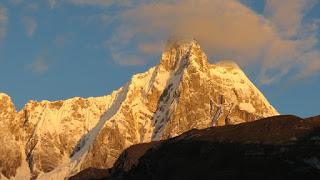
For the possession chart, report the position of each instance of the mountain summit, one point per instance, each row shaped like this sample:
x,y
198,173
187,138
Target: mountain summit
x,y
183,92
180,54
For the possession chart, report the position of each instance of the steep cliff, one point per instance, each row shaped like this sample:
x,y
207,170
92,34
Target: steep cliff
x,y
10,156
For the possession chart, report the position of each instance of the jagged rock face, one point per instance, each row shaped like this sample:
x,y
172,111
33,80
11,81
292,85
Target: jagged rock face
x,y
7,110
181,93
47,132
10,154
234,99
54,130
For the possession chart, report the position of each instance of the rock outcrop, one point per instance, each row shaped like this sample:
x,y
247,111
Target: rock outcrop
x,y
10,152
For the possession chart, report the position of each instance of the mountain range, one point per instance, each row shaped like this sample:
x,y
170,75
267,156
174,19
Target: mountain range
x,y
56,140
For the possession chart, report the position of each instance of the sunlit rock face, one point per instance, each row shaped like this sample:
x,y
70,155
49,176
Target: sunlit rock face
x,y
7,111
46,133
183,92
10,154
53,129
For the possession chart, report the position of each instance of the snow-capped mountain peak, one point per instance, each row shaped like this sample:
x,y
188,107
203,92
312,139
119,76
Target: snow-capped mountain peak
x,y
183,92
179,54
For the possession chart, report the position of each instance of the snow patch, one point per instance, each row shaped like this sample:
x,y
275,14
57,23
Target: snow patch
x,y
23,172
247,107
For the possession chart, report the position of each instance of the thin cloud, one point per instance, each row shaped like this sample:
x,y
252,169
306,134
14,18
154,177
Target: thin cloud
x,y
105,3
93,2
301,53
30,25
32,7
101,18
53,3
123,57
3,22
39,66
60,41
287,15
311,65
15,2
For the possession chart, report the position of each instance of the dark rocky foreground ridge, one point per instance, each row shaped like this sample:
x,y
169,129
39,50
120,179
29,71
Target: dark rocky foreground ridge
x,y
279,147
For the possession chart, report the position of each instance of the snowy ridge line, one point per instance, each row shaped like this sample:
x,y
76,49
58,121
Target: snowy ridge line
x,y
73,166
172,86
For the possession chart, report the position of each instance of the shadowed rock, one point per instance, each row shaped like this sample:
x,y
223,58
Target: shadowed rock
x,y
279,147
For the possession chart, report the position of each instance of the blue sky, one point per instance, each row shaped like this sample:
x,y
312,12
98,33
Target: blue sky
x,y
60,49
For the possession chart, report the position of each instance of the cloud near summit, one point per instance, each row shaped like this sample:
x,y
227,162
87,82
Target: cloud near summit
x,y
278,39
